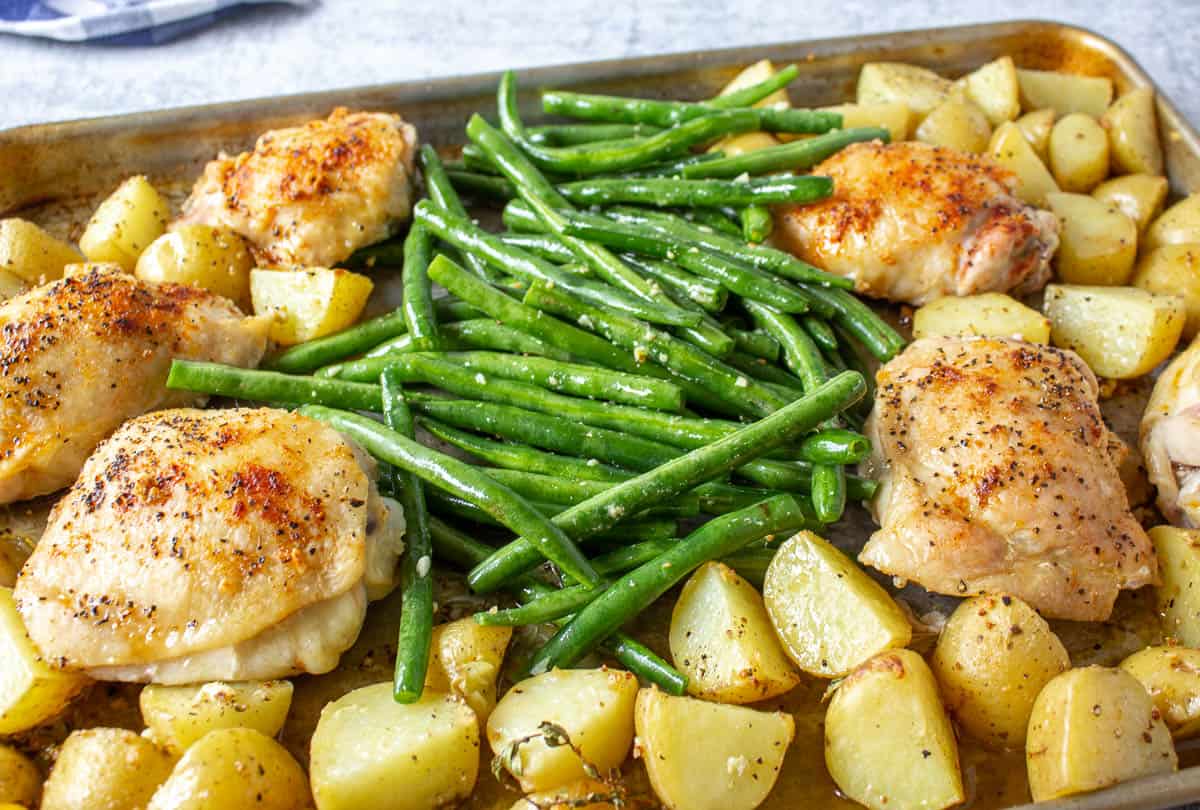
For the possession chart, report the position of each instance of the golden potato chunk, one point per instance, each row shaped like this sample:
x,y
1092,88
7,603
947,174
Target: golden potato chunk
x,y
125,224
1011,150
894,116
465,659
888,742
1178,224
31,254
1092,728
31,691
754,74
917,88
1139,196
308,304
216,259
105,769
1120,332
177,716
1098,243
1171,676
710,756
829,614
989,314
594,707
994,89
370,751
20,780
1132,125
956,124
585,795
1065,93
1178,553
1036,126
722,639
992,659
1078,153
1173,270
734,145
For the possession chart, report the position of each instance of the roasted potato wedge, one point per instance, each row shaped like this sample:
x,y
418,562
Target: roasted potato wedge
x,y
594,707
992,659
31,254
993,89
31,691
829,614
20,780
1132,125
1078,152
1065,93
894,116
419,755
1120,332
203,256
105,769
1092,728
308,304
988,314
11,285
709,756
125,224
722,639
918,88
1178,224
178,716
1012,151
888,742
1097,243
753,74
1174,270
1171,676
1178,553
465,659
1036,127
1139,196
956,124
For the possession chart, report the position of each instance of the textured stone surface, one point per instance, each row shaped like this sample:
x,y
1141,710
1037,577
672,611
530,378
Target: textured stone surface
x,y
339,43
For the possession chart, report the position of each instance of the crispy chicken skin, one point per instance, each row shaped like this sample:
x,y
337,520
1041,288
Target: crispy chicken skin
x,y
1170,438
82,354
911,222
311,195
211,545
998,475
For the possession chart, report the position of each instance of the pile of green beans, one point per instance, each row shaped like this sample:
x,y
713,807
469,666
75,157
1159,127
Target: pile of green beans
x,y
639,382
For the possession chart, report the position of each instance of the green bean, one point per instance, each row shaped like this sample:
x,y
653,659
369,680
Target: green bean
x,y
465,552
667,191
271,386
718,498
674,166
387,253
418,293
440,189
681,358
490,335
835,446
854,360
829,492
559,490
549,205
800,353
756,343
543,609
751,564
821,333
416,585
652,524
575,134
539,244
795,156
751,94
464,235
760,369
677,476
707,294
322,351
488,185
796,476
517,457
716,219
860,320
757,223
635,591
463,480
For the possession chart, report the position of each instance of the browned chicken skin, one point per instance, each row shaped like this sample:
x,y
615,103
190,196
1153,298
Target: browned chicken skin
x,y
81,355
911,222
999,475
311,195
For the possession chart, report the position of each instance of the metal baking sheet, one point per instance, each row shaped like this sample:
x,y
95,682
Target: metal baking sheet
x,y
52,170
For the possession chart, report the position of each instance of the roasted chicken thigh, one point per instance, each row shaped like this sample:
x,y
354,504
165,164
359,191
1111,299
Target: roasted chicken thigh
x,y
998,475
82,354
911,222
212,545
1170,439
311,195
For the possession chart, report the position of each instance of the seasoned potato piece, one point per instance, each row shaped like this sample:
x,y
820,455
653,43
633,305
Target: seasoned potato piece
x,y
989,314
1174,270
710,756
1178,552
733,145
918,88
1098,243
1120,332
585,795
1139,196
829,614
177,716
20,780
1012,151
1171,676
722,639
993,88
31,254
370,751
760,71
957,124
888,742
1078,152
31,691
465,659
593,706
1178,224
1065,93
216,259
1036,127
894,116
992,659
126,223
105,769
307,304
234,767
11,285
1132,125
1092,728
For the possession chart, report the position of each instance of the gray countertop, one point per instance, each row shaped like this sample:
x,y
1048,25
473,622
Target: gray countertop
x,y
338,43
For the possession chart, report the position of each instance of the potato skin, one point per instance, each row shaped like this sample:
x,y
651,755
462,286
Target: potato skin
x,y
1098,243
1178,552
1092,728
1178,224
1171,676
310,303
33,255
105,769
1078,153
992,659
956,124
20,779
1174,270
465,659
919,88
988,314
1011,150
994,89
1036,127
31,691
126,223
178,716
1132,125
1065,93
1139,196
216,259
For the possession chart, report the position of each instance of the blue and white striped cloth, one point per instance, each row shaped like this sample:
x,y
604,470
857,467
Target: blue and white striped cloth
x,y
119,22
